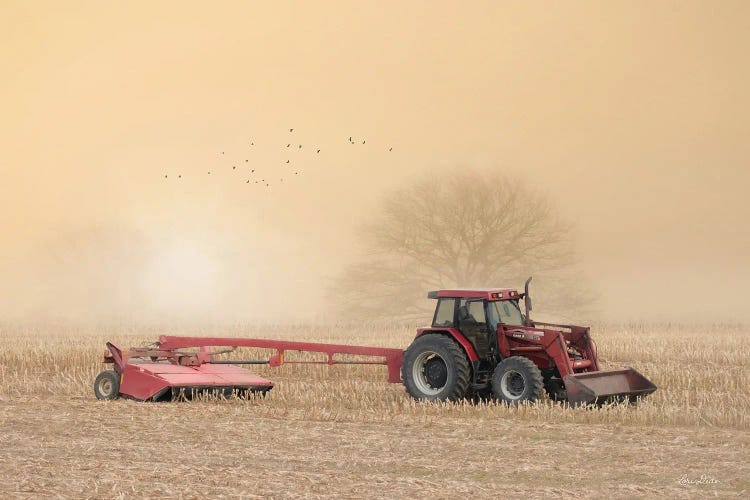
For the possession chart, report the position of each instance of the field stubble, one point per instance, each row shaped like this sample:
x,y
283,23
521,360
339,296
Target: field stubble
x,y
344,430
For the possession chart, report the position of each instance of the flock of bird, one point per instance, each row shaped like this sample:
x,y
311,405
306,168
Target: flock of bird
x,y
254,178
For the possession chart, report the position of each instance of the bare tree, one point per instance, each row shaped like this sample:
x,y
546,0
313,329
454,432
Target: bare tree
x,y
463,229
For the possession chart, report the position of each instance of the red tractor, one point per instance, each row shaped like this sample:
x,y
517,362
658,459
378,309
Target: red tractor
x,y
481,344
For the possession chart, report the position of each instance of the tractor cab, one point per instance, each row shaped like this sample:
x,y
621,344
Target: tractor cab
x,y
477,314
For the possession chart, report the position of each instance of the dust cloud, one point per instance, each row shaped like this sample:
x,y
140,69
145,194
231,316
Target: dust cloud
x,y
633,119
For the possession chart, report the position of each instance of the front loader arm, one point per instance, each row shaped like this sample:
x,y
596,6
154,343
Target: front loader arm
x,y
578,338
543,347
584,382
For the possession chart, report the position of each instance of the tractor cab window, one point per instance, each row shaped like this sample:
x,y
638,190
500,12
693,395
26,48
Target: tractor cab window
x,y
444,313
472,311
506,312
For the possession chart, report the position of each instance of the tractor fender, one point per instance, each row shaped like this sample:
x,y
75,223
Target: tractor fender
x,y
456,335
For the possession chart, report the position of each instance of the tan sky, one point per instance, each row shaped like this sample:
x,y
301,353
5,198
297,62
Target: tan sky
x,y
634,115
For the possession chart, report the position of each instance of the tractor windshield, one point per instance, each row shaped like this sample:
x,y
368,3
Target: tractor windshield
x,y
506,312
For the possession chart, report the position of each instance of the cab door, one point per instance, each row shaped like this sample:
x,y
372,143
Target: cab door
x,y
472,323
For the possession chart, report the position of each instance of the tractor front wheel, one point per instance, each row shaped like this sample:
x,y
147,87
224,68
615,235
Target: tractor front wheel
x,y
435,368
517,379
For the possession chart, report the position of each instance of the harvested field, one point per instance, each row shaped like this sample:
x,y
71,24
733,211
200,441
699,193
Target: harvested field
x,y
343,430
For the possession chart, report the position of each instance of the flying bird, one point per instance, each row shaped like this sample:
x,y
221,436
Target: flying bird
x,y
300,146
234,167
179,176
363,142
390,149
288,145
209,172
252,144
291,129
166,176
318,151
350,140
253,170
245,161
287,161
247,181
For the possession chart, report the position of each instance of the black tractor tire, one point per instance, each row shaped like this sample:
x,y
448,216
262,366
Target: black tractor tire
x,y
517,379
436,368
107,385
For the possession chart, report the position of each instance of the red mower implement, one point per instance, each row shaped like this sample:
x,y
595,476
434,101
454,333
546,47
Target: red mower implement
x,y
165,371
480,344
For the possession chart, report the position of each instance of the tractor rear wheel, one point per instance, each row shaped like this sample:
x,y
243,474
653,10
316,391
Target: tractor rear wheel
x,y
517,379
107,385
435,368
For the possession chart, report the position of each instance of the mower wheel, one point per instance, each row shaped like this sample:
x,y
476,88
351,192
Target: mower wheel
x,y
107,385
435,368
517,379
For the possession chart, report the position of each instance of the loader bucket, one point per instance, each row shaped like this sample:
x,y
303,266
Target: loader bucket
x,y
607,386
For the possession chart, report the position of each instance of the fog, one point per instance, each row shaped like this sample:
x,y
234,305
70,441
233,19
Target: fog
x,y
633,117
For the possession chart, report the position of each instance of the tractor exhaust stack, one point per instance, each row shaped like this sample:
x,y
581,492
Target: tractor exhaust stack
x,y
527,301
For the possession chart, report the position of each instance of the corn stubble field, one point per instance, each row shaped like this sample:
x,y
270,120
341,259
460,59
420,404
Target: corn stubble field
x,y
345,431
